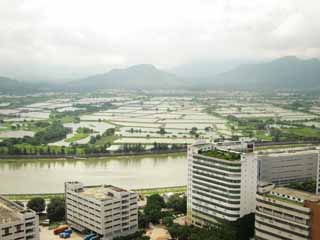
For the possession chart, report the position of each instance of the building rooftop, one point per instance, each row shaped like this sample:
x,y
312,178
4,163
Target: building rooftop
x,y
101,192
296,194
9,212
221,154
288,151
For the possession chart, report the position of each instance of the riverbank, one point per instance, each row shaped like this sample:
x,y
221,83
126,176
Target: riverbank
x,y
89,156
143,191
147,154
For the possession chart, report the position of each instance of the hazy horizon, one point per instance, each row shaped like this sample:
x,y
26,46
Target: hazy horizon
x,y
65,40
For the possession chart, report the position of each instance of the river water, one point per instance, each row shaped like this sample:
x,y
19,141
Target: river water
x,y
48,176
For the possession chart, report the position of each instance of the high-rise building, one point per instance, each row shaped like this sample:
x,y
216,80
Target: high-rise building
x,y
222,181
293,165
105,210
286,214
16,222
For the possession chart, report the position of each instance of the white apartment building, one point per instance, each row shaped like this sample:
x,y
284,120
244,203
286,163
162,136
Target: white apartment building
x,y
16,222
286,214
284,166
105,210
221,182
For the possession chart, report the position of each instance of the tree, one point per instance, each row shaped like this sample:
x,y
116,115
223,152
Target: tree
x,y
167,221
56,209
177,203
37,204
308,185
92,140
162,131
153,208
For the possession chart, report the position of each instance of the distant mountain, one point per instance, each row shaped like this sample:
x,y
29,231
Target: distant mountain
x,y
287,72
206,68
142,76
12,86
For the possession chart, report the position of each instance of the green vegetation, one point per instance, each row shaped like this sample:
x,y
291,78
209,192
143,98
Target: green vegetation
x,y
37,204
178,203
151,191
76,137
252,127
295,134
152,211
282,199
56,209
135,236
27,197
309,185
242,229
216,153
144,192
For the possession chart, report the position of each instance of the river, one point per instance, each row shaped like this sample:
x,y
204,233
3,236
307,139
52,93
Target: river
x,y
48,176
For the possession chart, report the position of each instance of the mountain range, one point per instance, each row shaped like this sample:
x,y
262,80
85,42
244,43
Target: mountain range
x,y
144,76
283,73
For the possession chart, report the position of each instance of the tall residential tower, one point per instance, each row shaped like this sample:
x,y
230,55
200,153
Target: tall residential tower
x,y
222,181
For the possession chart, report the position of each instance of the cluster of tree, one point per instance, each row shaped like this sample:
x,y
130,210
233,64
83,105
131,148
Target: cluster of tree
x,y
160,146
37,204
132,130
82,109
134,147
135,236
55,209
162,131
252,123
84,130
279,135
54,132
108,133
178,203
193,132
308,186
153,210
242,229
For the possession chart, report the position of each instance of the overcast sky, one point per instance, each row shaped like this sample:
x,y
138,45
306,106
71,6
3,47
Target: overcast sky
x,y
67,38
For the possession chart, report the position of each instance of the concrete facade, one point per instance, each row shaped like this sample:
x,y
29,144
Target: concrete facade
x,y
16,222
107,211
284,214
220,189
285,166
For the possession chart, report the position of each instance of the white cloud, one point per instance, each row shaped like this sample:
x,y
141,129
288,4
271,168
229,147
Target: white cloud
x,y
78,34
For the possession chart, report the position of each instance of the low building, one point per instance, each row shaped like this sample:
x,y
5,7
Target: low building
x,y
222,181
286,214
16,222
285,166
105,210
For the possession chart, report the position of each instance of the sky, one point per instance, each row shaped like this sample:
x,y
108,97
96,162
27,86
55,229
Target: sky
x,y
64,39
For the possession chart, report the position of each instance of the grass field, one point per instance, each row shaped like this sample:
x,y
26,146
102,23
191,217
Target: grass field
x,y
304,132
77,137
145,192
